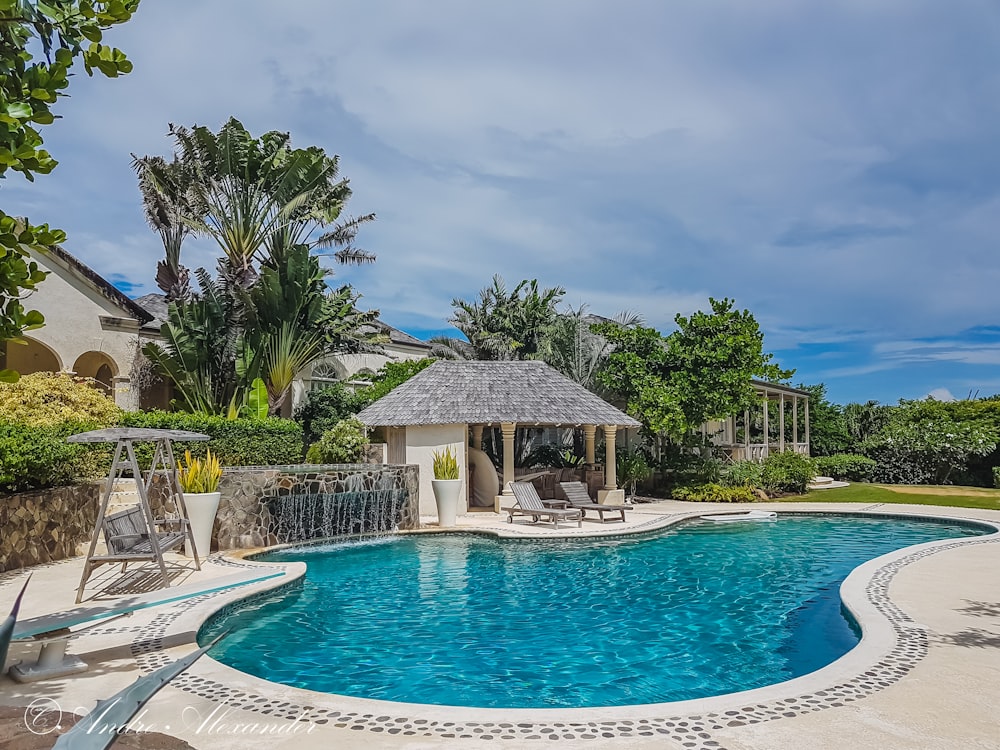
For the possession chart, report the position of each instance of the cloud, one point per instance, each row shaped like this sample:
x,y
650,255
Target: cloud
x,y
941,394
830,166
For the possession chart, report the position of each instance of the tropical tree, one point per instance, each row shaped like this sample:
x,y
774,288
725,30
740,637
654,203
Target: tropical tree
x,y
702,371
500,324
264,204
163,186
201,341
63,31
828,433
574,349
292,322
255,197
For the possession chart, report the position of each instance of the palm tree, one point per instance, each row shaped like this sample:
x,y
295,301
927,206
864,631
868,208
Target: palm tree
x,y
502,325
267,206
256,197
571,347
163,185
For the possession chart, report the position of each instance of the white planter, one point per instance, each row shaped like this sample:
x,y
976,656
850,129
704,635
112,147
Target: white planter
x,y
201,510
446,493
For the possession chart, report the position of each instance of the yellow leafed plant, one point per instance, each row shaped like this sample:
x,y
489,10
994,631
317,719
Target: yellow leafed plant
x,y
199,475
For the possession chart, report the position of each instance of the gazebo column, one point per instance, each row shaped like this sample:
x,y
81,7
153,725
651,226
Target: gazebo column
x,y
610,493
781,423
589,433
477,436
795,423
508,429
767,428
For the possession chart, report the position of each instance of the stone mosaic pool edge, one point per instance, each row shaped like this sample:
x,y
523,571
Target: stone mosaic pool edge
x,y
688,730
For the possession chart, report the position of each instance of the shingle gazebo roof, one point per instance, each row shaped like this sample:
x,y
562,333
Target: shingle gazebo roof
x,y
490,393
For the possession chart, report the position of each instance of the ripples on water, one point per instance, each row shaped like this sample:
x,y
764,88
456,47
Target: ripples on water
x,y
700,610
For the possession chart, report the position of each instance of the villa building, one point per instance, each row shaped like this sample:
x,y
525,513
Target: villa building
x,y
94,330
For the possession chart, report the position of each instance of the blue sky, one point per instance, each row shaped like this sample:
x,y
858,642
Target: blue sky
x,y
834,167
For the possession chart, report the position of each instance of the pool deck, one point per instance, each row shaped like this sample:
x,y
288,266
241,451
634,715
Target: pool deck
x,y
926,674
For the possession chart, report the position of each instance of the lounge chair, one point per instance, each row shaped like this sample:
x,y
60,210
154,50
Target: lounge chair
x,y
529,504
579,497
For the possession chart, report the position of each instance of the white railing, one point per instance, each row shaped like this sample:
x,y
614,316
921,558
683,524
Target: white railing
x,y
760,451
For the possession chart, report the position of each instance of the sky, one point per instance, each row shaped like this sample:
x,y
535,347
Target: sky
x,y
833,167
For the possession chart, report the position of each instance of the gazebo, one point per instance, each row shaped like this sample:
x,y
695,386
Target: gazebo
x,y
435,409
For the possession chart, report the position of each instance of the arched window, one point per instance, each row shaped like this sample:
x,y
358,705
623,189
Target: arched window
x,y
324,374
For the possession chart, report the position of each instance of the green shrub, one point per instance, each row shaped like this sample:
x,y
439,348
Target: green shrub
x,y
787,472
236,442
930,451
682,467
743,474
715,493
344,443
33,457
996,476
323,408
49,399
849,467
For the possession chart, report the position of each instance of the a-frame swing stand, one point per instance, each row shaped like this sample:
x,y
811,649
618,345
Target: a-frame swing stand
x,y
134,535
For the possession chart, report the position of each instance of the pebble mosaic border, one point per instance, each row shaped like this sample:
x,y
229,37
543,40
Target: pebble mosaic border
x,y
688,731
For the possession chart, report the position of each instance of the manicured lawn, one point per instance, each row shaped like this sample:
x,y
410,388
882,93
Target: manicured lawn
x,y
956,497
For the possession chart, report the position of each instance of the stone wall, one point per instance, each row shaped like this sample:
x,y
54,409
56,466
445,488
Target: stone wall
x,y
47,525
245,520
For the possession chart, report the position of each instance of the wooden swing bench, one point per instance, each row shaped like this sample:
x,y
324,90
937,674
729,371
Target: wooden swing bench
x,y
133,534
127,537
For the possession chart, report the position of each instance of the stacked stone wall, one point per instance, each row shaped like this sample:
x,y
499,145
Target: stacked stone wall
x,y
47,525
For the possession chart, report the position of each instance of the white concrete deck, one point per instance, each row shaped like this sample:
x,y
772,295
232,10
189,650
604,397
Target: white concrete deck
x,y
926,675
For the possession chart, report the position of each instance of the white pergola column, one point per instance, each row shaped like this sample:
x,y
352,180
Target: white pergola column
x,y
795,422
610,493
807,426
508,429
781,422
746,435
589,435
767,428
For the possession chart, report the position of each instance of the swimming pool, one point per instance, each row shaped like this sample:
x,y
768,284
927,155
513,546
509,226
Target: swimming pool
x,y
696,610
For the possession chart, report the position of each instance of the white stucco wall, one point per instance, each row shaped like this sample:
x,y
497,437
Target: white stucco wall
x,y
73,312
421,442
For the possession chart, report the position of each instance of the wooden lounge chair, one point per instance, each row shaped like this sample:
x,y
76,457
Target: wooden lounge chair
x,y
578,497
529,504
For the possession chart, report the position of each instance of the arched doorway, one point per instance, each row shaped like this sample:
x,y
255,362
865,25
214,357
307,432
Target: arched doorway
x,y
100,367
28,357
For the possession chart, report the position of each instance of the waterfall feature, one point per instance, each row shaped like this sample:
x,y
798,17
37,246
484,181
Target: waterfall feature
x,y
319,515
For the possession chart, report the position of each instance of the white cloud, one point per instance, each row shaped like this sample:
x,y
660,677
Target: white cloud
x,y
941,394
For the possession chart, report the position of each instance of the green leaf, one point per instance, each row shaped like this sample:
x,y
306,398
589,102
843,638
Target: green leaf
x,y
9,376
20,110
257,405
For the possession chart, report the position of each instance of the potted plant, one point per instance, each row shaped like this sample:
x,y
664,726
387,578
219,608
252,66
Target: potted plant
x,y
447,486
199,480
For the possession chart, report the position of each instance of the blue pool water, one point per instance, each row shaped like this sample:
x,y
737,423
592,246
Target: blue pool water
x,y
698,610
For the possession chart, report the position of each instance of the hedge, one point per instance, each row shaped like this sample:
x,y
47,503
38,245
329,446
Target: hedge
x,y
236,442
715,493
849,467
32,457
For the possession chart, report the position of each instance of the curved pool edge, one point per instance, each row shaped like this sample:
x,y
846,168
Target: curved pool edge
x,y
891,645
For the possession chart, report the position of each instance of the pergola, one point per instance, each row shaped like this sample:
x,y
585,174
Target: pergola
x,y
749,435
436,408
